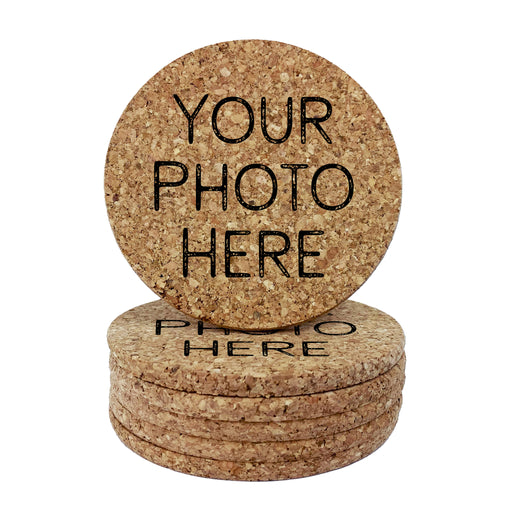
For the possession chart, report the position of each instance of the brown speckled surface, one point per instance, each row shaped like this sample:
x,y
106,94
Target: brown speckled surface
x,y
136,391
268,430
253,451
249,471
154,128
356,343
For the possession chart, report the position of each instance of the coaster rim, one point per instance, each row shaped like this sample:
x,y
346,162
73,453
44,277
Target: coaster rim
x,y
255,451
262,431
243,471
260,409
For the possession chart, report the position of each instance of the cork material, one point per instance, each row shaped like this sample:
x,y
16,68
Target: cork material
x,y
253,184
276,451
136,391
353,343
248,471
260,431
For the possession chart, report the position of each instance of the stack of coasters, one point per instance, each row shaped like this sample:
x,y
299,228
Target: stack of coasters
x,y
255,405
253,186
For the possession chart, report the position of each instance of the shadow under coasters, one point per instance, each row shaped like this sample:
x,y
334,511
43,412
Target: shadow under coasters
x,y
253,184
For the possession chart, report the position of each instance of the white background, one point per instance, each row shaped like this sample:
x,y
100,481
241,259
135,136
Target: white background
x,y
441,74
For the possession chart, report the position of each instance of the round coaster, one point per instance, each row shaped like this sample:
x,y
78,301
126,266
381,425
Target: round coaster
x,y
260,431
254,451
349,345
257,409
253,184
249,471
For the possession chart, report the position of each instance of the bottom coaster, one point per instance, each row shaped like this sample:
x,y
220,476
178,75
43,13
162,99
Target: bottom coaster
x,y
255,431
248,471
276,451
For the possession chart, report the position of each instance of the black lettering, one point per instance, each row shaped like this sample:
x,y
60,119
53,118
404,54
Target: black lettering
x,y
272,254
159,326
200,188
228,254
350,183
159,184
265,347
315,121
214,348
190,118
264,122
303,254
238,193
352,328
294,168
231,348
258,333
215,113
306,349
201,328
192,254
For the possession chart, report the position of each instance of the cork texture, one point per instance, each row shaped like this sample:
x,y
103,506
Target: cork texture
x,y
241,430
275,451
353,343
136,391
248,471
270,161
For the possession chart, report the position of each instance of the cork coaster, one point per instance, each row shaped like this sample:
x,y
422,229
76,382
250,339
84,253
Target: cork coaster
x,y
253,451
283,430
249,471
253,184
349,345
136,391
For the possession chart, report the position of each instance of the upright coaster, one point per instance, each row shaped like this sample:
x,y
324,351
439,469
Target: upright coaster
x,y
349,345
257,409
253,184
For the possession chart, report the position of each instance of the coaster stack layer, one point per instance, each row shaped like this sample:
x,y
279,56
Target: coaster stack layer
x,y
255,405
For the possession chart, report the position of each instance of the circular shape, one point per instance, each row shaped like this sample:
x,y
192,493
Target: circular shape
x,y
162,345
254,451
250,471
253,184
234,408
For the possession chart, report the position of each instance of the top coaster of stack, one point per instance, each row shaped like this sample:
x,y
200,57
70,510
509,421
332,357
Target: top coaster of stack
x,y
349,345
253,184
